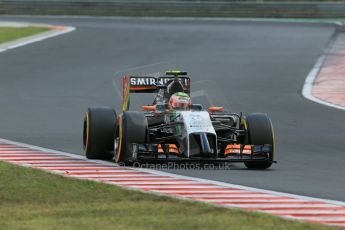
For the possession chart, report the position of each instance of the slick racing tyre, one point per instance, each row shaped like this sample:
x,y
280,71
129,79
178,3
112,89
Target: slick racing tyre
x,y
132,128
99,133
259,131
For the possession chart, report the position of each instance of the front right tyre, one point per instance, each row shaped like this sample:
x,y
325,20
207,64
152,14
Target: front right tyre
x,y
99,133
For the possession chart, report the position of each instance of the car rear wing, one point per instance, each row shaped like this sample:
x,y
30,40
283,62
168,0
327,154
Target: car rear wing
x,y
148,84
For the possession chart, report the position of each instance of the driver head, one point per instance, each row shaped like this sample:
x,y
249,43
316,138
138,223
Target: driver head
x,y
180,101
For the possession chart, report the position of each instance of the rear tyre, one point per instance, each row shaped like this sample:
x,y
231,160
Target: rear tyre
x,y
99,133
259,131
132,129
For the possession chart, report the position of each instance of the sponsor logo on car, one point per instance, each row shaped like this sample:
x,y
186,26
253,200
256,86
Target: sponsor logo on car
x,y
152,81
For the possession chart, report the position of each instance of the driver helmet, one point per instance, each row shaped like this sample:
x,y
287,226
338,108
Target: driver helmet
x,y
180,101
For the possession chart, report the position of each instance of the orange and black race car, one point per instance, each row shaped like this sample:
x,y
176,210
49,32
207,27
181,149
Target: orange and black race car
x,y
172,128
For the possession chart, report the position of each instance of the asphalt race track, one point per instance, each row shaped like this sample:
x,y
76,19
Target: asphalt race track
x,y
46,87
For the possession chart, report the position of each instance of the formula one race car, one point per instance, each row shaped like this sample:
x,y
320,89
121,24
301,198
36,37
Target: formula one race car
x,y
172,128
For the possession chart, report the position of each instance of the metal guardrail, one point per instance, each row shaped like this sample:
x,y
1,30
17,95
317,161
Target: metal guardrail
x,y
174,8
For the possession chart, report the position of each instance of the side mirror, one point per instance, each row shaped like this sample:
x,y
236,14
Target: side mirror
x,y
213,109
149,108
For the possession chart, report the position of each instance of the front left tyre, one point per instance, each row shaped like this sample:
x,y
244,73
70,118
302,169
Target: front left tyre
x,y
132,129
259,131
99,133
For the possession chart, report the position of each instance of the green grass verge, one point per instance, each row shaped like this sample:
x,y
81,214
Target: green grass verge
x,y
12,33
34,199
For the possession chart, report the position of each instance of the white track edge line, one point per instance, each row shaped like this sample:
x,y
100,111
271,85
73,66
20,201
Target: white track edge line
x,y
309,81
37,37
223,184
